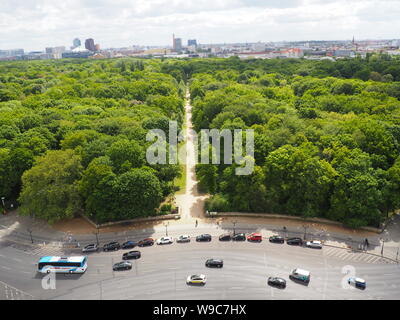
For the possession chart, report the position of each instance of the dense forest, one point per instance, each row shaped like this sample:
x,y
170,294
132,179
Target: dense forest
x,y
325,145
327,134
73,137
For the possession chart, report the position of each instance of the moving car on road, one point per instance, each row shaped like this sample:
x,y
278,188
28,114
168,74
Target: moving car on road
x,y
90,248
357,282
196,279
300,275
131,255
129,245
146,242
277,282
183,238
255,237
225,237
165,240
276,239
239,237
314,244
294,241
112,246
123,265
203,237
218,263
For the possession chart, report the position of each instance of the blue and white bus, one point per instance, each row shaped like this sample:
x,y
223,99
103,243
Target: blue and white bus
x,y
77,264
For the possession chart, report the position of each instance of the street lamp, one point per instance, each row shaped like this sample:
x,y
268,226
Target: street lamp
x,y
4,205
234,227
305,231
30,233
383,244
97,234
166,228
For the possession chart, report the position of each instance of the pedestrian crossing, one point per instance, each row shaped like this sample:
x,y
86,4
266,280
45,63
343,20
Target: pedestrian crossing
x,y
10,293
42,250
348,255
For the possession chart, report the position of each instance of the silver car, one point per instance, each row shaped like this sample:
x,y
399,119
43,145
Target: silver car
x,y
183,238
314,244
90,248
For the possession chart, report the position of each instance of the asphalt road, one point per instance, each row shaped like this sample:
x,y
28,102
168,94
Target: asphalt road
x,y
162,270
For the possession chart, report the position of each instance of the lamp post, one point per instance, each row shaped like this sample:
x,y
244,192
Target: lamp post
x,y
97,234
383,244
30,233
234,227
166,228
4,204
305,231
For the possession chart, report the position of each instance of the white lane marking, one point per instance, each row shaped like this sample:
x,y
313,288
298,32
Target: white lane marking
x,y
6,268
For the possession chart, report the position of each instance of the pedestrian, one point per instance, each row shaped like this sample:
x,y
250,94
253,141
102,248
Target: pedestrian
x,y
366,242
196,223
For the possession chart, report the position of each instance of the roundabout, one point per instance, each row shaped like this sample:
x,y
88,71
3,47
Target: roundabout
x,y
162,270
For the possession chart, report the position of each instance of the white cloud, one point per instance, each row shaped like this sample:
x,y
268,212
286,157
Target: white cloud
x,y
35,24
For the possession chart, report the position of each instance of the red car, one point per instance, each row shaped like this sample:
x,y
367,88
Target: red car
x,y
146,242
255,237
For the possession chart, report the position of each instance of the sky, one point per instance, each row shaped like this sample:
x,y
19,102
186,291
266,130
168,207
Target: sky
x,y
36,24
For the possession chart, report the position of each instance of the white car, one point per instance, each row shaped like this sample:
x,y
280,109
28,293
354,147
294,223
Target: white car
x,y
183,238
314,244
165,240
196,279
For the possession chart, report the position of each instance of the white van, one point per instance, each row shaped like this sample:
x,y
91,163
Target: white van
x,y
300,275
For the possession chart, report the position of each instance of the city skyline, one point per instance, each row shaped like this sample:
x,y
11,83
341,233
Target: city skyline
x,y
151,23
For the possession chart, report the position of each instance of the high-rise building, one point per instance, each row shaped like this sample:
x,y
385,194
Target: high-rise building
x,y
89,44
76,43
192,42
177,44
97,47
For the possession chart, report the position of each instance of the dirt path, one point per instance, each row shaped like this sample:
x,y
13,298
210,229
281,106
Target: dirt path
x,y
191,203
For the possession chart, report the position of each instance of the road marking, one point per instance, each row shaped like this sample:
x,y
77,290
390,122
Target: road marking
x,y
6,268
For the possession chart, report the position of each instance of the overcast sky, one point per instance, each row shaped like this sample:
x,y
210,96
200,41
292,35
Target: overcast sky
x,y
36,24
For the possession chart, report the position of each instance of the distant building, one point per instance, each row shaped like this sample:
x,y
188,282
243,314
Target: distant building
x,y
76,43
55,52
97,47
11,53
192,42
89,44
177,44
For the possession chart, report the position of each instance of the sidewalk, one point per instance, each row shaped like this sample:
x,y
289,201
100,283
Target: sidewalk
x,y
15,228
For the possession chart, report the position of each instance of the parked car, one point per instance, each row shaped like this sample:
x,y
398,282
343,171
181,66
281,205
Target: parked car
x,y
196,279
276,239
357,282
146,242
277,282
239,237
294,241
218,263
183,238
255,237
203,237
165,240
112,246
131,255
123,265
300,275
90,248
225,237
314,244
129,245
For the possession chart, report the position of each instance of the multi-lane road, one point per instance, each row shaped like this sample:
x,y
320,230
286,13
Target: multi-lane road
x,y
162,270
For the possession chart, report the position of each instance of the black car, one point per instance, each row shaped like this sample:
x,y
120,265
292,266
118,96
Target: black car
x,y
218,263
123,265
112,246
225,237
146,242
276,239
277,282
203,237
294,241
239,237
131,255
129,245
